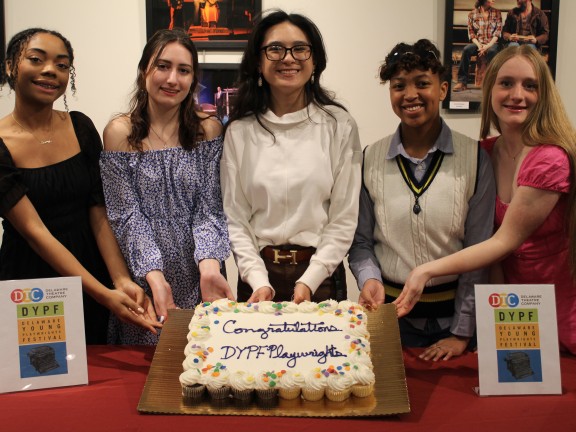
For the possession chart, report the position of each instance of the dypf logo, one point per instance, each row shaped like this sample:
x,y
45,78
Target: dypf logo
x,y
503,300
27,295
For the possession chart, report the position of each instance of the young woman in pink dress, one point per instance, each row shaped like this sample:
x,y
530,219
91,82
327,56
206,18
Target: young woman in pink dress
x,y
534,159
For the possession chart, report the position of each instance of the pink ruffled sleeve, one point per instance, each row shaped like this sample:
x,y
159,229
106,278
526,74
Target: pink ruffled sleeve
x,y
546,167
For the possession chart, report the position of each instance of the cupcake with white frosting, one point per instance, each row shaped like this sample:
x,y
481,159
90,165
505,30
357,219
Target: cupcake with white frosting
x,y
314,385
364,379
192,382
217,380
242,384
290,384
266,384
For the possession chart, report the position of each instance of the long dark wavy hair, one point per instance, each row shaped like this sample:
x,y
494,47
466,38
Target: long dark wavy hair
x,y
190,129
14,51
254,100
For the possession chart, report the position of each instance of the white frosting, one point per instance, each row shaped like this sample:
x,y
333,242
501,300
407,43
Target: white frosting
x,y
198,333
242,380
362,374
267,380
268,345
291,379
315,380
339,382
191,376
216,377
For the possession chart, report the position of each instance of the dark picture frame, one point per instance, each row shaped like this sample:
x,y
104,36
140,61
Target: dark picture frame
x,y
212,76
456,38
2,32
211,24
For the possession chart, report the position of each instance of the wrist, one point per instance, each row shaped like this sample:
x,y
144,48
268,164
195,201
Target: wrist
x,y
209,266
121,282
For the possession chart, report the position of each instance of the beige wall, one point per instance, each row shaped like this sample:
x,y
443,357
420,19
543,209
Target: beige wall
x,y
108,36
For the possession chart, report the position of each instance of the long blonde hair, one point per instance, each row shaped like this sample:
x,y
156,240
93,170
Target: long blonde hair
x,y
548,122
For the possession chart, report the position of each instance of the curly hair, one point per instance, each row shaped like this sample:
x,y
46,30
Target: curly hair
x,y
423,55
255,100
15,48
190,130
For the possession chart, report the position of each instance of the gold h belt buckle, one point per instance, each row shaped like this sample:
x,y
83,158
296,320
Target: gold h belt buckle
x,y
278,257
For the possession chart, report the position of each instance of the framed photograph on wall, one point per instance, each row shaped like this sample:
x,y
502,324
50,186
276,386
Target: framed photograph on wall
x,y
2,32
216,91
211,24
467,68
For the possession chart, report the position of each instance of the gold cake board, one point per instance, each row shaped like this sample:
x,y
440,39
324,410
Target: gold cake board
x,y
162,392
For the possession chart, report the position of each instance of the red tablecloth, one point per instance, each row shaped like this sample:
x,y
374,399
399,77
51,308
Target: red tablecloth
x,y
441,398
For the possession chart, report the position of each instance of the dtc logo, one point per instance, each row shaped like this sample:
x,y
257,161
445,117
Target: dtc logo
x,y
27,295
503,300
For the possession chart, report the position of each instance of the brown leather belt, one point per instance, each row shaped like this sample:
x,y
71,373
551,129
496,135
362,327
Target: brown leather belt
x,y
287,254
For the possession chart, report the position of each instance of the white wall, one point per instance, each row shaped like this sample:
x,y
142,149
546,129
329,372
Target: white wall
x,y
108,37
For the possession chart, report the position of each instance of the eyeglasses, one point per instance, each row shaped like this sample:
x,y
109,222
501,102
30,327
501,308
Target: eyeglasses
x,y
278,52
424,54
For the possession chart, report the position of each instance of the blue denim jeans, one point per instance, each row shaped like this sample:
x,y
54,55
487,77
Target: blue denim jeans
x,y
469,51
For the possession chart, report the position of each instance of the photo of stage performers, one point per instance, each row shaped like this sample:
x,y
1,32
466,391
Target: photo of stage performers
x,y
216,92
210,23
476,30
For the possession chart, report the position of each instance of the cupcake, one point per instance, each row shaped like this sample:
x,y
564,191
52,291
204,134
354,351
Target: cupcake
x,y
363,378
338,383
266,385
216,378
198,333
192,383
242,385
314,385
290,385
308,307
328,305
196,356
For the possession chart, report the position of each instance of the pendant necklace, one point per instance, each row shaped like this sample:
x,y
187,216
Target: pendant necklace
x,y
47,141
516,155
164,143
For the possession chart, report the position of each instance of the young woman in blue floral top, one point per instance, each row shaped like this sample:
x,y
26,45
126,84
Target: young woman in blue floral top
x,y
160,171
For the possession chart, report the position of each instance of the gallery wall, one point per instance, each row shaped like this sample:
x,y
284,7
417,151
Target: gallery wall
x,y
108,37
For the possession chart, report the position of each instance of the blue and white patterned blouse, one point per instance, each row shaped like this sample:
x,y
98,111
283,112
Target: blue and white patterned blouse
x,y
165,208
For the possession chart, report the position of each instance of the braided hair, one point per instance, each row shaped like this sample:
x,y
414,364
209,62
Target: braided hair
x,y
15,48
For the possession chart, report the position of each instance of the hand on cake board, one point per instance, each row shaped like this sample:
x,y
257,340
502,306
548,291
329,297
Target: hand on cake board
x,y
302,293
372,294
263,293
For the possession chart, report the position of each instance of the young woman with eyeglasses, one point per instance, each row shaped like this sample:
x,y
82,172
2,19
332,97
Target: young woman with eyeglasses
x,y
290,169
427,192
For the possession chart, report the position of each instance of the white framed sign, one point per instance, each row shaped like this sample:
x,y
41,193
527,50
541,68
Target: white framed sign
x,y
518,349
42,334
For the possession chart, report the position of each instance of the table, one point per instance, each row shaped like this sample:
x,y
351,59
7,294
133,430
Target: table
x,y
441,397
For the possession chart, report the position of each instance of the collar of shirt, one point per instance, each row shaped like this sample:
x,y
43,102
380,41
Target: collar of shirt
x,y
442,143
290,119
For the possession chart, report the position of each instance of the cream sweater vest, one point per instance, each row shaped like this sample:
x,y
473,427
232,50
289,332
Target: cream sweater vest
x,y
403,239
